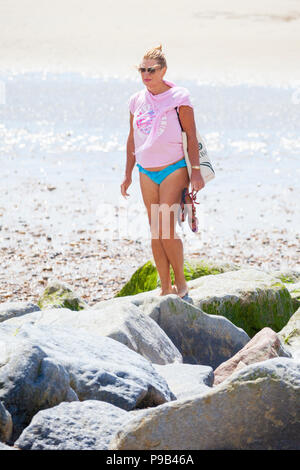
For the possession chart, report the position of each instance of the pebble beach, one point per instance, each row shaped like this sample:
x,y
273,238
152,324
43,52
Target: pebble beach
x,y
63,136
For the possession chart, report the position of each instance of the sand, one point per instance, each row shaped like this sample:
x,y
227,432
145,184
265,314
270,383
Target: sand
x,y
204,40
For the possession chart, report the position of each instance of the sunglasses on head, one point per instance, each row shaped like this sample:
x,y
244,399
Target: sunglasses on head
x,y
149,69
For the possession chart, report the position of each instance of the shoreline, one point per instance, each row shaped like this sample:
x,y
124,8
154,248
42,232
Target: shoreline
x,y
218,78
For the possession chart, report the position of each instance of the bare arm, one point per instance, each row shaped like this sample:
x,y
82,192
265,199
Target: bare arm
x,y
186,114
130,150
187,119
130,161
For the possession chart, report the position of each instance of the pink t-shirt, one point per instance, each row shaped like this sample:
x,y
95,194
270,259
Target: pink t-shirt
x,y
168,147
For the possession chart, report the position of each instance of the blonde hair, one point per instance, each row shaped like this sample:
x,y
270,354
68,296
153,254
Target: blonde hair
x,y
156,54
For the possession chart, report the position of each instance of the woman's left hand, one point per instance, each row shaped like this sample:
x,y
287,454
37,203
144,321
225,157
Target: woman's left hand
x,y
197,182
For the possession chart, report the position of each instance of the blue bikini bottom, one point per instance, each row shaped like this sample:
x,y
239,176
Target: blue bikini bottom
x,y
160,175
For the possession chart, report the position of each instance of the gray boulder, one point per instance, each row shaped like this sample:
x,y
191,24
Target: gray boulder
x,y
5,424
257,408
16,309
49,364
290,335
5,447
86,425
124,322
200,338
186,380
30,381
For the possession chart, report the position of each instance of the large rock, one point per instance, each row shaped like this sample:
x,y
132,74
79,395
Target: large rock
x,y
5,424
249,298
30,381
286,275
294,290
136,299
200,338
46,365
5,447
291,279
290,335
124,322
257,408
264,345
186,380
59,294
16,309
87,425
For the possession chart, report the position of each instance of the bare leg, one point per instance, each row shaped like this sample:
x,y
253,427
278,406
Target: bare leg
x,y
170,195
150,193
163,267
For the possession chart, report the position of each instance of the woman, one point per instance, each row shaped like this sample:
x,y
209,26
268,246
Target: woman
x,y
155,144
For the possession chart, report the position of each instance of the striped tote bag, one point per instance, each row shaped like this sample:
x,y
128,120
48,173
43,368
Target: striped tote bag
x,y
206,168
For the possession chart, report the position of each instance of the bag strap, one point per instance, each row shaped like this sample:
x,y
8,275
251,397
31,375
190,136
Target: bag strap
x,y
179,118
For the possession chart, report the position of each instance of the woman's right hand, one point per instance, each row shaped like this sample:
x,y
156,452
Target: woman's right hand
x,y
125,185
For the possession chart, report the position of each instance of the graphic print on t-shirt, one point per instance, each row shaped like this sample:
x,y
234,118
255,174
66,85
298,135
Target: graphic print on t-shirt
x,y
144,118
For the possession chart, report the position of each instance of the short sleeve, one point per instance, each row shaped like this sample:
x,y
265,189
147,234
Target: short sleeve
x,y
186,99
132,103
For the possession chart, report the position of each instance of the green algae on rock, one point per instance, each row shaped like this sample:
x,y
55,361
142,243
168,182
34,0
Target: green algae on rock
x,y
287,276
59,295
249,298
143,279
294,290
146,277
194,268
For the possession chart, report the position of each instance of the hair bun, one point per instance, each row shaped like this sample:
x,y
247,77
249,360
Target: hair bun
x,y
156,54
